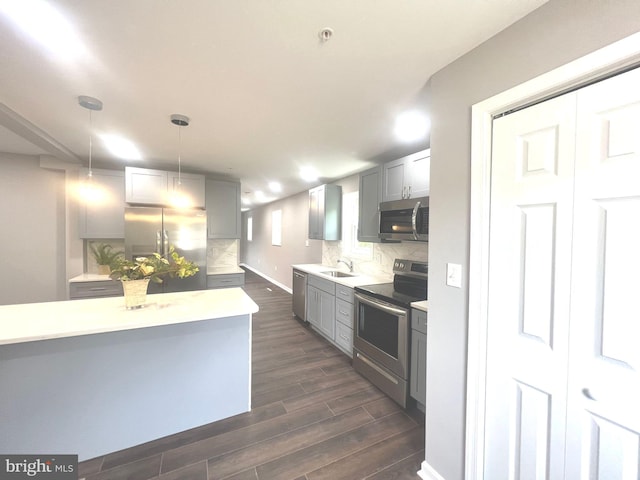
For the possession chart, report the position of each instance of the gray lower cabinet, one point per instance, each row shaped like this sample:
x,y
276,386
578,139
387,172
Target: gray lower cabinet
x,y
103,218
106,288
344,319
418,374
330,311
225,280
223,209
321,305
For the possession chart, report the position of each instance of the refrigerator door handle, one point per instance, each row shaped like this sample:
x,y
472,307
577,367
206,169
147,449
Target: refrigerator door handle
x,y
158,242
165,235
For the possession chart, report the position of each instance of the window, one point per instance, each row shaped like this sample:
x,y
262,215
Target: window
x,y
276,227
350,244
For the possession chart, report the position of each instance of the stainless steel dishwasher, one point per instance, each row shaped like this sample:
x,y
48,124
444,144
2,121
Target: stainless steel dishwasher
x,y
300,294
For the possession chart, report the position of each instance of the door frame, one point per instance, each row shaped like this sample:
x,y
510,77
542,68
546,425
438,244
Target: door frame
x,y
599,64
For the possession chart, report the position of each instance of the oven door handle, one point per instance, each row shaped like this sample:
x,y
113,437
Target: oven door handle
x,y
386,307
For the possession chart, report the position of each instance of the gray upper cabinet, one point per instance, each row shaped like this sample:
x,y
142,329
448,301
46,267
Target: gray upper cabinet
x,y
104,218
191,184
223,209
369,198
406,177
145,186
325,212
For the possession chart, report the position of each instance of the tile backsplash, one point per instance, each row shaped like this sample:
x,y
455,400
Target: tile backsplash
x,y
223,253
379,262
90,262
220,253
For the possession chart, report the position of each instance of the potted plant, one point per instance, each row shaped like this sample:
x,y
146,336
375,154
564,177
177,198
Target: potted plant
x,y
105,256
136,274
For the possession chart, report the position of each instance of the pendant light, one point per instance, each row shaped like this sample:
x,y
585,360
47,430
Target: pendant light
x,y
179,198
89,190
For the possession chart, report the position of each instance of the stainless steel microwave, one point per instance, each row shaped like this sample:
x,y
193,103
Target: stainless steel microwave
x,y
405,219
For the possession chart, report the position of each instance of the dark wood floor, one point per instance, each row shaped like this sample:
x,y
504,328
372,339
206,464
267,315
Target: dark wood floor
x,y
312,418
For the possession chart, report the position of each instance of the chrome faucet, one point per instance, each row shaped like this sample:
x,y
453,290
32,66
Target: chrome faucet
x,y
348,263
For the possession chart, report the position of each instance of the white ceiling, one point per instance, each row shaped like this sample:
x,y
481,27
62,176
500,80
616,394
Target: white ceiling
x,y
265,95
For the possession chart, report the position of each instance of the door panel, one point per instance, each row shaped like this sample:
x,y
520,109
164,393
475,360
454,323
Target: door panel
x,y
604,389
529,455
536,280
527,331
563,381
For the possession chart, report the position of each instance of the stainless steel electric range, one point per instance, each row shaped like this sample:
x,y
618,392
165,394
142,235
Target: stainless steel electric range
x,y
382,327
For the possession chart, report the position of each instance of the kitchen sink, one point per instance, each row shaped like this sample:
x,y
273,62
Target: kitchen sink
x,y
335,273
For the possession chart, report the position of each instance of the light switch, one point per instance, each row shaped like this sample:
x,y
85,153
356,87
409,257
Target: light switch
x,y
454,275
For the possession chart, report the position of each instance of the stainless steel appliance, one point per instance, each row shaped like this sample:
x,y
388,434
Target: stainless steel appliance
x,y
382,328
154,229
300,294
405,219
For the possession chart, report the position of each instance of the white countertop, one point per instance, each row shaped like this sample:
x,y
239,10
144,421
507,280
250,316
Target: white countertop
x,y
421,305
356,280
41,321
90,277
223,270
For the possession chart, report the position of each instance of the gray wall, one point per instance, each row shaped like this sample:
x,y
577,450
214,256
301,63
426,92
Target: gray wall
x,y
555,34
32,238
275,261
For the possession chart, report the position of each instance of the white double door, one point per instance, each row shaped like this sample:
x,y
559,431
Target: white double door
x,y
563,332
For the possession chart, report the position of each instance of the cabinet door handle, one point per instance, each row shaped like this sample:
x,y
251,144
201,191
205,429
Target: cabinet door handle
x,y
409,191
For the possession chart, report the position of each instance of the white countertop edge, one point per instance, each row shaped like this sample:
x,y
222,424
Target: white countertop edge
x,y
421,305
90,277
224,270
50,320
357,280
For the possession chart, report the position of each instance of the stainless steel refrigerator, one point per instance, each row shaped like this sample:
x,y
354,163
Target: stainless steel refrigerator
x,y
155,229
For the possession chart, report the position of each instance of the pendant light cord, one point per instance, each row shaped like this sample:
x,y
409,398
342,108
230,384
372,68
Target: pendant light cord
x,y
179,158
90,143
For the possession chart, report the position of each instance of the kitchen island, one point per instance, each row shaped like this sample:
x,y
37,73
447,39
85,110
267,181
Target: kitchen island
x,y
88,377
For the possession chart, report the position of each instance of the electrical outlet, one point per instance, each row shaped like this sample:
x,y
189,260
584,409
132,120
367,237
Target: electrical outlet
x,y
454,275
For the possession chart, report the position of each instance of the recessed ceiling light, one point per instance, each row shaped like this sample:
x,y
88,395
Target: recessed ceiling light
x,y
411,126
121,147
275,187
309,174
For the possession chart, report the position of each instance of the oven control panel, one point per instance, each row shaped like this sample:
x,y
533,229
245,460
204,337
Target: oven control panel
x,y
411,268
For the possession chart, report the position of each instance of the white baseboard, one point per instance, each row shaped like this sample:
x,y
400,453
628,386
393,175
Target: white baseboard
x,y
266,277
427,472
